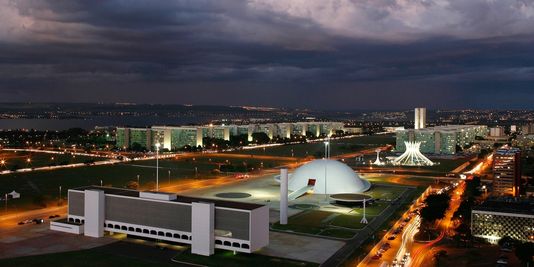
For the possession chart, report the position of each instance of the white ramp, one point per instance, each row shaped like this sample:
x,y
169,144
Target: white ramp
x,y
301,191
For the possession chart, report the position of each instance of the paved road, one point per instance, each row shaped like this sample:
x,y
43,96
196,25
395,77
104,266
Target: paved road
x,y
357,241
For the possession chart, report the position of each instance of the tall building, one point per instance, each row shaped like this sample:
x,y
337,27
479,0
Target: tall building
x,y
496,131
127,137
507,171
440,139
527,128
420,118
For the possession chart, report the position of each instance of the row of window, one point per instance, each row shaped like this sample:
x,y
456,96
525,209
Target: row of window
x,y
231,244
72,220
166,234
146,231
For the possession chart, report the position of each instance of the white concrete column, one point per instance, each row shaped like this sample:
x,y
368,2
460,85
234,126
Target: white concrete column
x,y
94,213
203,228
283,195
200,137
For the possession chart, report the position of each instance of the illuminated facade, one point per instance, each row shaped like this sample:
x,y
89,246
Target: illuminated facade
x,y
205,224
441,139
126,137
176,137
495,219
507,172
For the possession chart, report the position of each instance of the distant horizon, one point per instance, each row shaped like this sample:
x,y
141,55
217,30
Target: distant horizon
x,y
267,107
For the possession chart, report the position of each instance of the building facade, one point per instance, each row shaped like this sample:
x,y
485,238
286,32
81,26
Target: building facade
x,y
177,137
205,224
507,172
127,137
495,219
440,139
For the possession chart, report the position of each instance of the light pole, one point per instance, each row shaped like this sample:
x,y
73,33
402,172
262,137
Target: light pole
x,y
326,144
157,166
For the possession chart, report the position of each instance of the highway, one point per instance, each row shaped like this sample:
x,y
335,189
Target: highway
x,y
399,246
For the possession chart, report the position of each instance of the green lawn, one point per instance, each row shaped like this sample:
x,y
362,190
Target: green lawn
x,y
83,258
227,258
43,186
19,159
326,223
342,146
350,221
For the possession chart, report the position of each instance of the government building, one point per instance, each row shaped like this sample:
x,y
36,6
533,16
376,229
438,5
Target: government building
x,y
177,137
440,139
496,218
205,224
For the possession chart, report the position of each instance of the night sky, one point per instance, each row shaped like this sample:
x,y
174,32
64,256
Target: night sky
x,y
366,54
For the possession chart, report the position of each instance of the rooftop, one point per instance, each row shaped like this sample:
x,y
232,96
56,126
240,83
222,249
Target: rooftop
x,y
180,198
508,205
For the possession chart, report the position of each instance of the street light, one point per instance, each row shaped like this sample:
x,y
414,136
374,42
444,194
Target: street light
x,y
157,166
169,177
326,145
59,201
138,182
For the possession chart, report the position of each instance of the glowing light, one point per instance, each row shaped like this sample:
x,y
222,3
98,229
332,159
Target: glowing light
x,y
412,156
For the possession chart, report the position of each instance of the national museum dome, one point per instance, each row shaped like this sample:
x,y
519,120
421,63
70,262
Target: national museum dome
x,y
340,178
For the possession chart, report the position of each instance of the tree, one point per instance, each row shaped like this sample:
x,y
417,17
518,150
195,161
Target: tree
x,y
436,206
136,147
506,240
260,138
525,252
438,255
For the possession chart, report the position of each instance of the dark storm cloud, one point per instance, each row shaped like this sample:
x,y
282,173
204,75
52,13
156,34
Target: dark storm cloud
x,y
327,54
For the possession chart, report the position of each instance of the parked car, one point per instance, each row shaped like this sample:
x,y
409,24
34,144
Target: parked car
x,y
38,220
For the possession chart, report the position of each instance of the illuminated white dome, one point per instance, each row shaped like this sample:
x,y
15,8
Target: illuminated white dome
x,y
340,178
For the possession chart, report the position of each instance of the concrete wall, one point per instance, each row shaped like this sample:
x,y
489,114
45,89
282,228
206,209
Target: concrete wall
x,y
67,228
94,213
203,218
259,228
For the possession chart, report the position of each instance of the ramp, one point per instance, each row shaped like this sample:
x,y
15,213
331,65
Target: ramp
x,y
301,191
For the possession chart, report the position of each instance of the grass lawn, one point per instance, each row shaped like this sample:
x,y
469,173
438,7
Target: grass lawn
x,y
349,221
318,222
445,165
308,222
18,160
89,258
227,258
385,192
337,147
43,186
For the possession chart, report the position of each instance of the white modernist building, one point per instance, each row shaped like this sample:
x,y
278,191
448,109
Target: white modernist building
x,y
205,224
325,176
412,156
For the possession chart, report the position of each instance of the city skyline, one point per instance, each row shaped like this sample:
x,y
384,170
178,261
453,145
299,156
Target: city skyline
x,y
325,55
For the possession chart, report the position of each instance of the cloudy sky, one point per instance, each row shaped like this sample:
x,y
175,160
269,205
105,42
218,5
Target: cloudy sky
x,y
327,54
